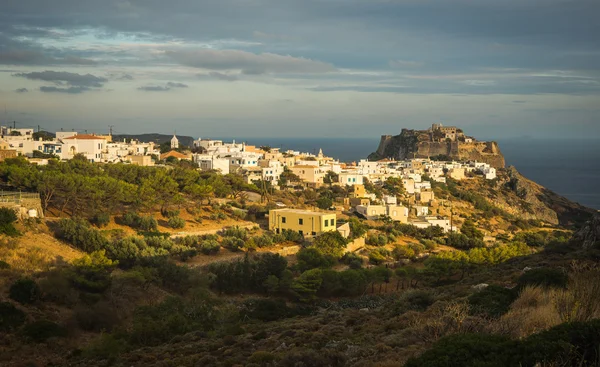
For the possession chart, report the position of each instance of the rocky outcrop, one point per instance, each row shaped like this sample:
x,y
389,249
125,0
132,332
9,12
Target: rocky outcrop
x,y
589,235
419,144
529,191
544,204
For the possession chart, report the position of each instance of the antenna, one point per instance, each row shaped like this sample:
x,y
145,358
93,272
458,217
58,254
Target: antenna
x,y
110,129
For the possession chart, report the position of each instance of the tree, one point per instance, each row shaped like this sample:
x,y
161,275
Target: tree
x,y
331,244
25,291
330,177
311,258
357,228
305,287
394,186
324,203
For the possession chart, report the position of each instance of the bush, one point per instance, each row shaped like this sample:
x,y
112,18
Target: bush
x,y
41,330
176,222
78,232
10,317
311,258
352,260
210,247
100,317
463,350
101,220
493,301
545,277
145,223
4,265
233,243
413,300
25,291
378,256
235,231
7,218
265,309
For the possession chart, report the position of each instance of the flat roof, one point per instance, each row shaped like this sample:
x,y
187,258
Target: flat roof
x,y
300,211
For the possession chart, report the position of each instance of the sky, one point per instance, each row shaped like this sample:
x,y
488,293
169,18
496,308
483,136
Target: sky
x,y
302,68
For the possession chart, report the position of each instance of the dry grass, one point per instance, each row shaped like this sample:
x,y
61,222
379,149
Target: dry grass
x,y
532,312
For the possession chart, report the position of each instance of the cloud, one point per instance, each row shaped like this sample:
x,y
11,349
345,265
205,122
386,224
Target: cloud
x,y
176,85
60,77
32,57
220,76
154,88
125,77
247,62
400,64
162,88
69,90
21,90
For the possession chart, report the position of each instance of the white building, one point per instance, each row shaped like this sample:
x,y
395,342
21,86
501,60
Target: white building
x,y
91,146
174,142
209,162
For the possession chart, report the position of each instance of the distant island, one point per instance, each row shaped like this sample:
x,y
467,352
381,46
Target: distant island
x,y
443,142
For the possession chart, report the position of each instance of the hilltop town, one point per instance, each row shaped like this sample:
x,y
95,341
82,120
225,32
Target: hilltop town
x,y
439,141
223,253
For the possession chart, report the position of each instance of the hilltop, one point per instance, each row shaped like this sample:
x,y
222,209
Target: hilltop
x,y
444,142
155,137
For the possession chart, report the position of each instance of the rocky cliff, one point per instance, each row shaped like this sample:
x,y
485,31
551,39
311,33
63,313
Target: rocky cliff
x,y
533,201
589,234
418,144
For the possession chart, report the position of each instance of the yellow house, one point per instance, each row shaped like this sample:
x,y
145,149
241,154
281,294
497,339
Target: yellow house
x,y
311,174
302,221
358,191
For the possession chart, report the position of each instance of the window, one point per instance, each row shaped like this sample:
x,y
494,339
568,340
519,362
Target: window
x,y
282,219
301,221
333,222
326,222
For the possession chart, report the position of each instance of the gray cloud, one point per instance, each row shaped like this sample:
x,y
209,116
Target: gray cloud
x,y
21,90
220,76
248,62
32,57
154,88
404,64
69,90
176,85
74,79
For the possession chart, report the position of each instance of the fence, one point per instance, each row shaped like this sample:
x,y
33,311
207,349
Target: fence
x,y
17,197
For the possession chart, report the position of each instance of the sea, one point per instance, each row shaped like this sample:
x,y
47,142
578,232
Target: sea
x,y
568,167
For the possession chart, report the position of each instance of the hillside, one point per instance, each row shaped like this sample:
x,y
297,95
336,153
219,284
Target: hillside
x,y
155,137
149,266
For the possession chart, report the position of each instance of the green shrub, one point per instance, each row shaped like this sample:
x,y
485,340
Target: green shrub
x,y
233,243
99,317
25,291
464,350
262,358
493,301
42,330
78,232
7,218
545,277
100,220
235,231
210,247
176,222
10,317
4,265
311,258
265,309
145,223
413,300
352,260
